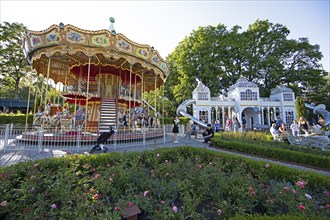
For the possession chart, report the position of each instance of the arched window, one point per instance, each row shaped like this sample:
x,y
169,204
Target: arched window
x,y
203,116
249,95
289,117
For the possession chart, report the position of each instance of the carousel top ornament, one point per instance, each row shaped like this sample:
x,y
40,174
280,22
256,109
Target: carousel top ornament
x,y
66,52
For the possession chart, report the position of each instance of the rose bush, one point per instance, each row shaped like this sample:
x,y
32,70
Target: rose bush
x,y
176,183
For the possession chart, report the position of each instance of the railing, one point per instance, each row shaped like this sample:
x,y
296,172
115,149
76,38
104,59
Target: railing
x,y
76,140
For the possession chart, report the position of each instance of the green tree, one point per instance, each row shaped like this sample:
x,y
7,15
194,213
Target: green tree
x,y
263,54
300,108
13,65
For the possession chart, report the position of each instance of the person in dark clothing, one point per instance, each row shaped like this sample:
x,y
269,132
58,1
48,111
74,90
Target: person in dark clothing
x,y
208,134
101,141
175,129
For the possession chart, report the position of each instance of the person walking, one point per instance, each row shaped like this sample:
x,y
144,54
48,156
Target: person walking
x,y
175,130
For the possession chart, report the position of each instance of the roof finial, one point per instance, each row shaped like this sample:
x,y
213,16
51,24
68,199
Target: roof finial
x,y
111,27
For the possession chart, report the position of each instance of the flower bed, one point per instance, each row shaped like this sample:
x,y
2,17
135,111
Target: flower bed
x,y
175,183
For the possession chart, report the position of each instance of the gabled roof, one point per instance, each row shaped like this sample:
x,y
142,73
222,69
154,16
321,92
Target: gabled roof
x,y
243,82
280,89
201,88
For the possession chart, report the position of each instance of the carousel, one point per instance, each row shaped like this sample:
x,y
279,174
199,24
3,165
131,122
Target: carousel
x,y
102,76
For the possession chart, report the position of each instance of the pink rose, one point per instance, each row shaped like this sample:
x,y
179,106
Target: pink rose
x,y
301,207
129,204
175,209
200,166
53,206
219,212
96,196
301,184
4,203
163,202
97,176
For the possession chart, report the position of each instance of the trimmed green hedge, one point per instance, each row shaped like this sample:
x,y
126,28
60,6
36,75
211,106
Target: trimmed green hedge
x,y
266,140
15,118
273,152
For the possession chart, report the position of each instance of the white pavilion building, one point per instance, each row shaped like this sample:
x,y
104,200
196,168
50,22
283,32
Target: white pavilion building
x,y
244,100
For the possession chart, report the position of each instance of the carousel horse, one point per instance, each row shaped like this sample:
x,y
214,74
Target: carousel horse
x,y
45,118
139,113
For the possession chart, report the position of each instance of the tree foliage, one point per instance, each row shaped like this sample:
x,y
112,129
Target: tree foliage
x,y
263,54
13,65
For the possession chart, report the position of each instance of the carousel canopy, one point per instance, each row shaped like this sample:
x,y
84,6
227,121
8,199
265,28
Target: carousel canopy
x,y
68,51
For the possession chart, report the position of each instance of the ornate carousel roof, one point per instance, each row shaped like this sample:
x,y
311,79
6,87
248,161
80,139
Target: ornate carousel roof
x,y
68,51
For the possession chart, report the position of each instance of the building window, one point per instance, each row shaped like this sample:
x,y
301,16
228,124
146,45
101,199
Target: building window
x,y
203,116
288,97
289,118
249,95
203,96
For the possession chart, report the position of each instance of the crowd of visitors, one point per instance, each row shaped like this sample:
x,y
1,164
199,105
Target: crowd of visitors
x,y
300,127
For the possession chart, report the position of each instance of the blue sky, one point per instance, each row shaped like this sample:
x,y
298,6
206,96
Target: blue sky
x,y
163,24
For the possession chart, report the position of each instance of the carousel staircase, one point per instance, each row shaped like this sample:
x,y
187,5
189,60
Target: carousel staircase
x,y
107,114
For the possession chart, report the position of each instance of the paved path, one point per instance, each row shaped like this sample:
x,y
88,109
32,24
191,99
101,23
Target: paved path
x,y
10,158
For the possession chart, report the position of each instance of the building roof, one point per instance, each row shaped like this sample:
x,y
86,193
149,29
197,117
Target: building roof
x,y
243,82
201,88
280,89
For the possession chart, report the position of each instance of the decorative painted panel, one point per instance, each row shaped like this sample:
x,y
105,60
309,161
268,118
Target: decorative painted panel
x,y
163,66
52,37
35,41
141,52
100,40
123,45
155,59
75,37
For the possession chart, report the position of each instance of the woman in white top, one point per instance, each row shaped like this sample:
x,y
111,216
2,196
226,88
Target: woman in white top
x,y
295,128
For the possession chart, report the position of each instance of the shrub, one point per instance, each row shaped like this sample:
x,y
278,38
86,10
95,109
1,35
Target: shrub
x,y
15,118
169,183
